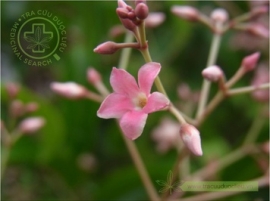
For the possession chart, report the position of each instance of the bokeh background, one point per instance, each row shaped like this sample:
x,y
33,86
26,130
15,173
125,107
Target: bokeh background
x,y
76,155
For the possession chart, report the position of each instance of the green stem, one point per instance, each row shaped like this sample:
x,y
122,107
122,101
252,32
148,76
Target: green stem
x,y
247,89
255,128
210,107
206,84
4,159
213,168
141,169
125,54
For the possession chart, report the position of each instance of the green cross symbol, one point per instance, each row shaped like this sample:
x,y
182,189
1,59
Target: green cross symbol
x,y
38,38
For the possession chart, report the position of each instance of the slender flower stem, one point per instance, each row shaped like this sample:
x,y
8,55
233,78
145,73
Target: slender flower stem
x,y
247,89
239,73
210,107
232,157
159,85
255,128
93,96
125,54
206,84
141,169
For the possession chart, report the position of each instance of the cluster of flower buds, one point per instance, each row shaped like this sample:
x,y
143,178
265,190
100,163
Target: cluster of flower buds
x,y
219,22
134,20
17,109
154,19
130,17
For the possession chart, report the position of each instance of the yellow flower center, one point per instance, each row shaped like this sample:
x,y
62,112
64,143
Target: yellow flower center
x,y
140,101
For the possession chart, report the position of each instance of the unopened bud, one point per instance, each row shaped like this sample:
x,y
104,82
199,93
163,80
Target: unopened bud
x,y
261,76
154,19
93,76
128,24
258,30
116,31
219,15
12,89
31,107
265,147
141,11
212,73
139,1
184,91
122,13
186,12
87,162
69,90
121,4
106,48
17,108
258,11
249,62
191,138
31,125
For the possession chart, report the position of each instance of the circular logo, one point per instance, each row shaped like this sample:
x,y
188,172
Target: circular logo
x,y
38,38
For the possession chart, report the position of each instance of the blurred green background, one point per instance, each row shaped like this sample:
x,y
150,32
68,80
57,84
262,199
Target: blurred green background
x,y
78,156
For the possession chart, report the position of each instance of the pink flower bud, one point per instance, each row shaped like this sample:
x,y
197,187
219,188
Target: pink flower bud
x,y
31,107
184,91
17,108
128,24
141,11
219,15
154,19
31,125
69,90
93,76
140,1
261,76
122,13
87,162
257,11
12,89
191,138
106,48
249,62
186,12
117,30
122,4
258,30
212,73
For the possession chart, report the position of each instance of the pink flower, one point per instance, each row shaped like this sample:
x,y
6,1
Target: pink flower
x,y
132,102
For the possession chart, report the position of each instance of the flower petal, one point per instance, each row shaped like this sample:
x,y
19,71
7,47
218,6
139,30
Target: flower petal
x,y
156,101
132,124
123,83
114,106
146,76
